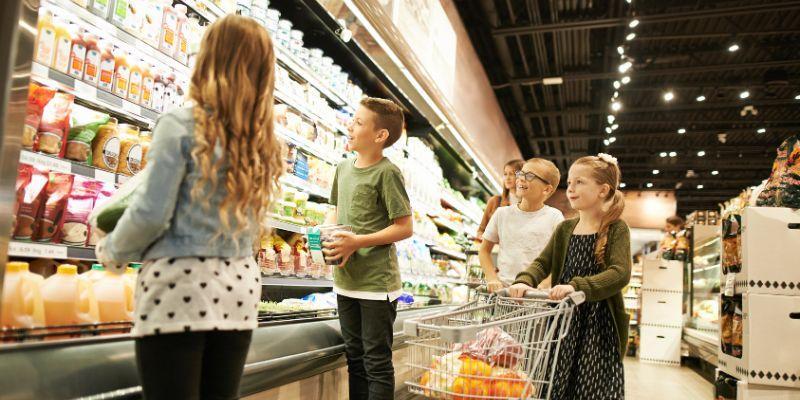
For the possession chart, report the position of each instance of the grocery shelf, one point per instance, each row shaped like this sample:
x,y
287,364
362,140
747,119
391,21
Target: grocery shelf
x,y
54,251
451,200
295,282
55,164
105,28
286,226
307,145
206,9
300,106
305,186
290,61
97,98
447,224
450,253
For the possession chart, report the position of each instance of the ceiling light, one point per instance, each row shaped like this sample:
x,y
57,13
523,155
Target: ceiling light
x,y
620,50
630,36
681,131
733,48
624,67
608,129
701,98
611,118
797,97
762,130
622,185
669,96
656,172
616,94
612,139
649,184
715,172
744,95
626,80
617,85
663,154
700,186
629,1
701,153
615,126
673,154
606,142
554,80
634,23
616,106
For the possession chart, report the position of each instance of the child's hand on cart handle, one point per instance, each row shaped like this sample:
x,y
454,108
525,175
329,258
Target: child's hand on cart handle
x,y
558,292
518,290
494,286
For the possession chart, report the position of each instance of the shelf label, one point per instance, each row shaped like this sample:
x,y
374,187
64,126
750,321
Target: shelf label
x,y
35,250
121,179
85,90
39,70
131,108
105,176
730,283
44,162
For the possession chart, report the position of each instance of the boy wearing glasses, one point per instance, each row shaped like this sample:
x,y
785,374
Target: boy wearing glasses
x,y
522,230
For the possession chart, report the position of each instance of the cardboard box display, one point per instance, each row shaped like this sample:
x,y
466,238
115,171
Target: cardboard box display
x,y
663,275
663,308
770,245
660,345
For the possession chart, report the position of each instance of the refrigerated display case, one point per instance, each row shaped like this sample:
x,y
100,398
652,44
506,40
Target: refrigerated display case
x,y
701,331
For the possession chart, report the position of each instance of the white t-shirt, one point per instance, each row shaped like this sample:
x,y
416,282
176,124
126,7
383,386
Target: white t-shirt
x,y
522,236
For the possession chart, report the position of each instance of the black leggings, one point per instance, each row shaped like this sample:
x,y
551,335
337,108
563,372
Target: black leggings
x,y
194,365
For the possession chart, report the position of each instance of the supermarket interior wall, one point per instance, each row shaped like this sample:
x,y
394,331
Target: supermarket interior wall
x,y
643,209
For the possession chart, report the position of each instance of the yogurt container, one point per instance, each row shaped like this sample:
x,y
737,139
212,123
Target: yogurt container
x,y
284,33
273,17
295,41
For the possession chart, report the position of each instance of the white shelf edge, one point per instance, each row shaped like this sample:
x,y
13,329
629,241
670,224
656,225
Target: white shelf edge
x,y
307,145
55,164
448,252
295,281
286,226
288,59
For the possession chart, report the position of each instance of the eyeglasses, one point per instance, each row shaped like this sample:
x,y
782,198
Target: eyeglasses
x,y
529,176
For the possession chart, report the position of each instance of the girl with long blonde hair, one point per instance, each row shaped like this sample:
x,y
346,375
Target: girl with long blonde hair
x,y
213,170
591,254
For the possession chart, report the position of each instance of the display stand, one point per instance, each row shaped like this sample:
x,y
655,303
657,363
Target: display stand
x,y
662,312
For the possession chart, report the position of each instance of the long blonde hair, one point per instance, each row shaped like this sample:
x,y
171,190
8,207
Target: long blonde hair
x,y
605,172
232,88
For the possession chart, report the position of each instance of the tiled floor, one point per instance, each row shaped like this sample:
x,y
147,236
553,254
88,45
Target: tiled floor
x,y
656,382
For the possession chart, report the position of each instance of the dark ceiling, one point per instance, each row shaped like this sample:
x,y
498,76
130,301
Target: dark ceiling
x,y
682,47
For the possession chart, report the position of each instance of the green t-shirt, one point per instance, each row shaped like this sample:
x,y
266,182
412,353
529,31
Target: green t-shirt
x,y
369,200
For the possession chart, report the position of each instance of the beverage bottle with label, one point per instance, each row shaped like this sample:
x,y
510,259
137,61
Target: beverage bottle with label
x,y
63,45
182,47
101,8
159,86
169,27
68,300
22,305
91,67
77,56
94,274
122,74
151,26
107,66
135,87
147,85
113,294
119,13
45,39
195,35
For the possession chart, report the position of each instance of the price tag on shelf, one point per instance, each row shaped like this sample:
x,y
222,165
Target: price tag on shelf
x,y
121,179
35,250
39,70
44,162
85,90
105,176
730,284
131,108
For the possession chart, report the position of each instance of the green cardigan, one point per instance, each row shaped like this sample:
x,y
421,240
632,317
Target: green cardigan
x,y
607,285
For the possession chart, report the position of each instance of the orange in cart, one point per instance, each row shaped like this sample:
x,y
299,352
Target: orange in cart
x,y
22,298
472,367
68,300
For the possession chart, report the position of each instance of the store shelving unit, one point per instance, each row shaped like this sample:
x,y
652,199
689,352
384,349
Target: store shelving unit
x,y
450,200
661,319
56,164
701,333
52,251
296,282
450,253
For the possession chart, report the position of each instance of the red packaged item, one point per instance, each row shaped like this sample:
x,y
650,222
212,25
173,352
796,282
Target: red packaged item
x,y
32,197
494,346
54,127
23,178
106,190
52,216
79,206
38,97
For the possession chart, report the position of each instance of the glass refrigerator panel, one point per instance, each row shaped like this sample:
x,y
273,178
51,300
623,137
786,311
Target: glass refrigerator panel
x,y
705,278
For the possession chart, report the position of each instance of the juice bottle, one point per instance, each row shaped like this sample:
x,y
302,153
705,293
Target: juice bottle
x,y
195,35
95,273
135,87
91,67
63,46
122,74
68,300
182,45
169,27
107,66
159,86
120,13
151,26
45,39
22,305
101,8
147,85
77,56
131,273
114,298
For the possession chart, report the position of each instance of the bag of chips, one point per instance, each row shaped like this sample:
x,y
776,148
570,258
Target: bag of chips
x,y
52,217
38,97
783,186
53,129
79,206
85,124
28,210
23,178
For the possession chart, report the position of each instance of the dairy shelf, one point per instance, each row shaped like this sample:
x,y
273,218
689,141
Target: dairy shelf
x,y
450,253
295,282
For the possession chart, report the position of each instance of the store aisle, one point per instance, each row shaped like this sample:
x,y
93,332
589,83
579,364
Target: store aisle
x,y
657,382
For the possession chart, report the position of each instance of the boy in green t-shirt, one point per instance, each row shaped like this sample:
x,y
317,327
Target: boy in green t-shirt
x,y
369,196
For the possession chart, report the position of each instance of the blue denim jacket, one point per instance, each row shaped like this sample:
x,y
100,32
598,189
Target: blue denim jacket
x,y
162,219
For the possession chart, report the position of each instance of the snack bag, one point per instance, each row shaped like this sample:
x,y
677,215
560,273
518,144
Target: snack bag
x,y
79,206
85,124
495,346
53,129
104,194
737,328
23,178
726,325
52,216
28,211
38,97
783,186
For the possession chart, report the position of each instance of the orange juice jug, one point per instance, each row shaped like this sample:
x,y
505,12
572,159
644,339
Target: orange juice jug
x,y
91,67
68,300
63,46
131,274
22,305
94,274
107,66
147,86
114,298
77,56
45,39
122,75
135,87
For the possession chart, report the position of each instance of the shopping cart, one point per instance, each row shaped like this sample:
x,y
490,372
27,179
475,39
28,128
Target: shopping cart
x,y
500,348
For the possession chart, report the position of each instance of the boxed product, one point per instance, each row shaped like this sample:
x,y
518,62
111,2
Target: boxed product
x,y
770,239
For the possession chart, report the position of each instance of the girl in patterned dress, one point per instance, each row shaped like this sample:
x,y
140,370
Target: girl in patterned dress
x,y
590,254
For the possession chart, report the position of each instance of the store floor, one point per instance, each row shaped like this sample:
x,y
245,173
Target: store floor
x,y
656,382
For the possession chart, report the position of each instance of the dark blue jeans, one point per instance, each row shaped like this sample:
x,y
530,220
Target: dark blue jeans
x,y
367,328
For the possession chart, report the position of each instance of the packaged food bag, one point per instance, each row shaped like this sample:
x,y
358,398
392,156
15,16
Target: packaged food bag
x,y
32,198
85,124
105,217
494,346
103,196
783,186
106,146
52,217
75,231
23,178
54,127
38,97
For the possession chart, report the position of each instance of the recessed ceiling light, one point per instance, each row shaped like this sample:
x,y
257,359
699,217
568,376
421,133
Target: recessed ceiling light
x,y
620,50
701,98
611,118
626,80
634,23
608,129
744,95
624,67
606,142
663,154
629,1
733,47
616,94
681,131
630,36
673,154
701,153
714,172
612,139
622,185
617,85
615,127
649,184
616,106
656,172
668,96
797,97
762,130
700,186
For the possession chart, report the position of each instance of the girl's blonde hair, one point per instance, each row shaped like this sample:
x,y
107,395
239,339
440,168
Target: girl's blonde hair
x,y
605,172
232,88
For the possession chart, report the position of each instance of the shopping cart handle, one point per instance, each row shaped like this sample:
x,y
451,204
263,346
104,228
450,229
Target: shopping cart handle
x,y
576,297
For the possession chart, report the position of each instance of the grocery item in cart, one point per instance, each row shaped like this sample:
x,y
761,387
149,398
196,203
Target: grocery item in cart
x,y
22,305
106,146
53,129
51,219
494,346
33,195
85,124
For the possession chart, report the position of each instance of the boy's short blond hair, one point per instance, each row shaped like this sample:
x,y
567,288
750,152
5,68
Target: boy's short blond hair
x,y
547,170
389,117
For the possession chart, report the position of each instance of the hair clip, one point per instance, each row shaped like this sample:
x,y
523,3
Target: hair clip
x,y
607,158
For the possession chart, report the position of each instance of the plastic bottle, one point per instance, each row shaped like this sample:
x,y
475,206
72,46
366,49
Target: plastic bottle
x,y
101,8
131,274
107,67
147,86
169,28
183,31
114,298
122,74
63,46
91,67
94,274
159,86
135,87
45,39
68,300
22,305
151,26
119,13
77,56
